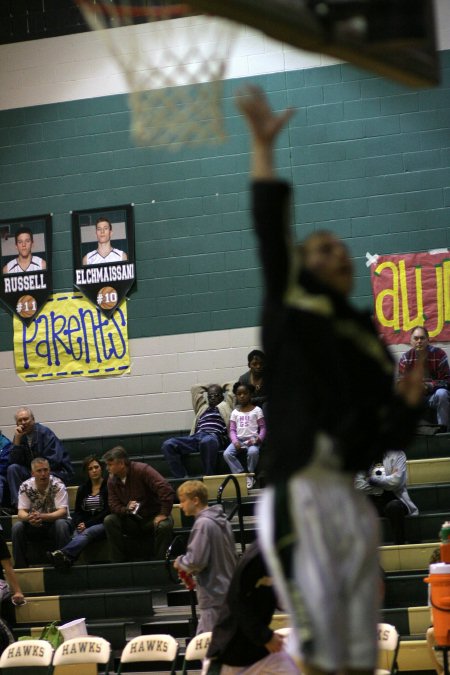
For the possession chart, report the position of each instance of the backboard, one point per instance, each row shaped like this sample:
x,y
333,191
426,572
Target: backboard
x,y
395,38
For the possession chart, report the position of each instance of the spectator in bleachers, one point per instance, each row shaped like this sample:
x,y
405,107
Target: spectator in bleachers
x,y
5,449
385,485
91,508
43,512
31,440
212,406
436,374
242,636
255,376
140,501
247,432
211,551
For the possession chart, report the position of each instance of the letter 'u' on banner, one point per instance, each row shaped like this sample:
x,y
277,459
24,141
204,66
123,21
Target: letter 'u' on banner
x,y
71,338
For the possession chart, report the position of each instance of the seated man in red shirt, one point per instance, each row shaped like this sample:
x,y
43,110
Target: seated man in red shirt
x,y
140,501
436,382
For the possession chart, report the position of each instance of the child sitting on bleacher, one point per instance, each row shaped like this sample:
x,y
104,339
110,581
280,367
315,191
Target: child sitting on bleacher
x,y
247,432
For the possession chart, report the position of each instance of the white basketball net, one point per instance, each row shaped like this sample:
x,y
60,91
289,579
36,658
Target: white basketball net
x,y
174,69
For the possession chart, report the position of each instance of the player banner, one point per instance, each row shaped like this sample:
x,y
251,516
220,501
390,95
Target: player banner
x,y
103,254
70,338
412,290
26,265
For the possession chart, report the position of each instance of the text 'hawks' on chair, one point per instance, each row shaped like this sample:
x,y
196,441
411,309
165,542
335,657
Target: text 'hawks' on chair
x,y
31,656
83,650
196,649
146,648
388,646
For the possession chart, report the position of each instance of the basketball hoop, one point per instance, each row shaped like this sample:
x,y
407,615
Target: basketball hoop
x,y
175,85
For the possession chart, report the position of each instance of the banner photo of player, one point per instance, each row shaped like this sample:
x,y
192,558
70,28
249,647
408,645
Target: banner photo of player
x,y
26,265
103,255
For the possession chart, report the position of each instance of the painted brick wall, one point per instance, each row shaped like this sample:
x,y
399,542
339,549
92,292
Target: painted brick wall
x,y
369,159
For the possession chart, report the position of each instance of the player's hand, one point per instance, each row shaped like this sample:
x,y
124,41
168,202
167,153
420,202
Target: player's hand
x,y
81,527
237,445
275,644
132,505
18,599
263,122
158,519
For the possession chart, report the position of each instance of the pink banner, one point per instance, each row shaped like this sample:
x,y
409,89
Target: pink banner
x,y
412,290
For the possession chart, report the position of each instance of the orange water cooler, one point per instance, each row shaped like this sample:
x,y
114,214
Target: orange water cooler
x,y
439,580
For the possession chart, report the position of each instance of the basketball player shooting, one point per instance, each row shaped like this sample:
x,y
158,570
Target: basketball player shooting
x,y
332,407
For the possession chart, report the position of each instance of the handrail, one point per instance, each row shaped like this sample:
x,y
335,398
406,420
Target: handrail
x,y
237,507
178,547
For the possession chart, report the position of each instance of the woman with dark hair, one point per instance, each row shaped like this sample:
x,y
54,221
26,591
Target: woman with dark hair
x,y
91,507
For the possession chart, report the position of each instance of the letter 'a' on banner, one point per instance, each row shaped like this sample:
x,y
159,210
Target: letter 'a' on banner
x,y
410,290
103,255
26,265
71,338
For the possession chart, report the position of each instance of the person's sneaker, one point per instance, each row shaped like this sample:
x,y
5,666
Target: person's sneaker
x,y
250,482
59,559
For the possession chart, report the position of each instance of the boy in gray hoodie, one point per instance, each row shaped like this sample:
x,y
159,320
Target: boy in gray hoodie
x,y
211,551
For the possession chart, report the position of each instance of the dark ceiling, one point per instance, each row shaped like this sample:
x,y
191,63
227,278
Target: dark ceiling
x,y
34,19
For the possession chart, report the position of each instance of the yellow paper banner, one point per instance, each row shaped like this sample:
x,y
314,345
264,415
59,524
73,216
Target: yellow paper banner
x,y
70,337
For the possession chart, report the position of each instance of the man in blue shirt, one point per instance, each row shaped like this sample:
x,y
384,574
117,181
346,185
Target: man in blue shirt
x,y
32,440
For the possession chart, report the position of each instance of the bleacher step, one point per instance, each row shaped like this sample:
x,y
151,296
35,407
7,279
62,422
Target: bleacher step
x,y
431,470
92,606
413,656
408,557
408,620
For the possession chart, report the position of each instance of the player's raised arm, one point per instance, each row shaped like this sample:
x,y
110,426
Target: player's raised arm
x,y
264,125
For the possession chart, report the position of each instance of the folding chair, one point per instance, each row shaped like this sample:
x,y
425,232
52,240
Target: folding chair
x,y
388,646
196,649
31,656
146,648
84,649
